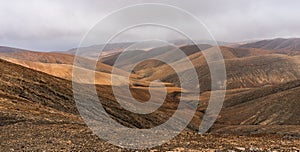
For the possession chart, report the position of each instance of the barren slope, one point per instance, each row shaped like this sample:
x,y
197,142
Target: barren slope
x,y
266,110
242,72
65,71
38,112
54,58
37,93
132,57
92,52
288,46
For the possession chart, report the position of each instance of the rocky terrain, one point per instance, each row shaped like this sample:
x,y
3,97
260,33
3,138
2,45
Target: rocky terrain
x,y
280,45
260,112
245,68
77,137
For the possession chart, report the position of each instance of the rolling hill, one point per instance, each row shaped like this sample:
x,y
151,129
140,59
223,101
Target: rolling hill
x,y
246,68
38,94
65,71
91,52
287,46
276,111
39,101
135,56
55,94
54,60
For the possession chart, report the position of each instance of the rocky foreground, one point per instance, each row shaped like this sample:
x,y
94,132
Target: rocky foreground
x,y
78,137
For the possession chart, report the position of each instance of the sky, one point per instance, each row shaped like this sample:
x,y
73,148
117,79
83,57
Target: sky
x,y
58,25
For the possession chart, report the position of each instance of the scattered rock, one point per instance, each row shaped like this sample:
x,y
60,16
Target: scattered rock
x,y
240,148
69,142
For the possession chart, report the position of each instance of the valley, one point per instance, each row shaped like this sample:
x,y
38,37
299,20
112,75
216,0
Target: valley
x,y
261,106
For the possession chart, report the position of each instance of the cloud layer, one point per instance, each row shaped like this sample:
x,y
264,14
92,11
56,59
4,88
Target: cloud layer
x,y
60,24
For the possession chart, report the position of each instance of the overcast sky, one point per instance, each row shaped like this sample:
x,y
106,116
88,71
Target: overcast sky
x,y
56,25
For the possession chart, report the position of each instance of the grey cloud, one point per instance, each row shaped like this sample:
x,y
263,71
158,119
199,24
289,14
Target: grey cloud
x,y
60,24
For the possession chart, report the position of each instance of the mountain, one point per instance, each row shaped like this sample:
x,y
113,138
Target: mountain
x,y
50,61
44,57
135,56
38,94
184,42
274,105
246,68
38,111
5,49
52,93
276,111
288,46
244,52
65,71
92,52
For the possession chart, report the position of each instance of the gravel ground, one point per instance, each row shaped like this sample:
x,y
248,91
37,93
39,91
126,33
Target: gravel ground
x,y
77,137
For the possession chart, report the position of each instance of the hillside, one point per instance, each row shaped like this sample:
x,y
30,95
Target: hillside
x,y
250,69
37,93
280,45
276,111
44,57
92,52
274,105
65,71
135,56
55,60
5,49
20,85
32,101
